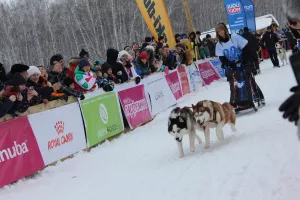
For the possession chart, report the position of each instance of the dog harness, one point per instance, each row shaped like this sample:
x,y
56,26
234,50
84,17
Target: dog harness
x,y
180,109
214,120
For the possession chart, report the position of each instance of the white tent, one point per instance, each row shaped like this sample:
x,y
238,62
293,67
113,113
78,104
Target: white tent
x,y
261,23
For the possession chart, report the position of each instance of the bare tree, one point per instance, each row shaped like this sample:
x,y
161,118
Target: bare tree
x,y
32,31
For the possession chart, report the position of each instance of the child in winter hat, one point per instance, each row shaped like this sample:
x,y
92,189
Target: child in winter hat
x,y
97,66
108,73
84,77
104,82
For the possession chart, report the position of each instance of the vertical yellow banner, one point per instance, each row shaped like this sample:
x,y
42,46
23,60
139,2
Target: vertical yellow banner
x,y
156,17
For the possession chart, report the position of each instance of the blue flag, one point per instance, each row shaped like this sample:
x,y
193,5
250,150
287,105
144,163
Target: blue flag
x,y
235,14
249,10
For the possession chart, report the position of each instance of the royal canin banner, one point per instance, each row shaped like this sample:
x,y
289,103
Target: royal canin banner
x,y
59,132
208,73
174,84
184,80
19,152
135,105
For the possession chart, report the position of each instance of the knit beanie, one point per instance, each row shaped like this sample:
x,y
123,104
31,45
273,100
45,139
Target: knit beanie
x,y
98,62
83,63
131,52
148,39
55,59
33,70
19,80
122,53
144,56
84,54
149,47
18,68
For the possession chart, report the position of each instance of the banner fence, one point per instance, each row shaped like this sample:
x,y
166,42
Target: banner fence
x,y
30,143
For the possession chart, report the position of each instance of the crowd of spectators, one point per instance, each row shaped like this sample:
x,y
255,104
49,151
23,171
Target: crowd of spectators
x,y
24,85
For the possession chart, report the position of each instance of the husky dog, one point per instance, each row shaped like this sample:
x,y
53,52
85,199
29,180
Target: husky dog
x,y
281,52
209,114
182,122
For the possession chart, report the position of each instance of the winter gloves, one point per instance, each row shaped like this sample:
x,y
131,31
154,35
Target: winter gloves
x,y
290,107
233,64
82,97
108,87
120,73
137,80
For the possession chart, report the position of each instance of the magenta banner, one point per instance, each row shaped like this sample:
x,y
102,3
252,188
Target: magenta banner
x,y
174,84
20,155
208,73
135,106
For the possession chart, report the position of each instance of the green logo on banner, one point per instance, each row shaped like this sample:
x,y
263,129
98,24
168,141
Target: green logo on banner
x,y
102,117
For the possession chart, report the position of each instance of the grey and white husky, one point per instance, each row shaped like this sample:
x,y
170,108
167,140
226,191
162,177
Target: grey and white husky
x,y
182,122
281,52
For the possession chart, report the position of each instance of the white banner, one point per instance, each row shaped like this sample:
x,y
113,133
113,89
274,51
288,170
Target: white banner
x,y
160,95
59,132
194,77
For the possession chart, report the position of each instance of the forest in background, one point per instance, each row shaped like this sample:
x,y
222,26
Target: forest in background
x,y
32,31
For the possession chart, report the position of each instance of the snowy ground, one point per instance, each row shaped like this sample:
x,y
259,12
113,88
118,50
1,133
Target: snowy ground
x,y
259,162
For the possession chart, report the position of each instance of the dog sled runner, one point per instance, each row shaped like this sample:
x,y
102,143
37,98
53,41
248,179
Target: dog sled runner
x,y
245,93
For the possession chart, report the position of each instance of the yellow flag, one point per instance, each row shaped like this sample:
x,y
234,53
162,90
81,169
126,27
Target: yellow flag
x,y
156,17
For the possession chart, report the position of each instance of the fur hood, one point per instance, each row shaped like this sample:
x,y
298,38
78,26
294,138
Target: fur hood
x,y
292,8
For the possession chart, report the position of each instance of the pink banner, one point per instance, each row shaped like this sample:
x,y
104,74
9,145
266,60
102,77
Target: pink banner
x,y
19,152
208,73
135,106
166,70
174,84
184,80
